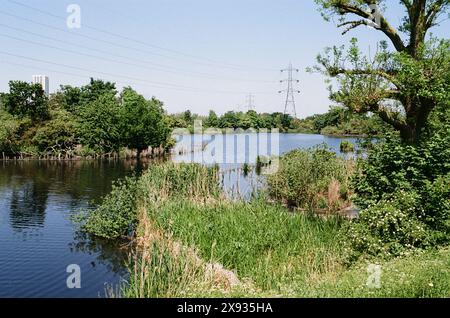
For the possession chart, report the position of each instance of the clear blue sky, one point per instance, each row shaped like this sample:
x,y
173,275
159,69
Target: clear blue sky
x,y
196,54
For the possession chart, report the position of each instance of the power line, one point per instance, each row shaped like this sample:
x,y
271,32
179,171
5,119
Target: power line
x,y
168,85
158,67
191,56
290,90
95,39
47,70
99,57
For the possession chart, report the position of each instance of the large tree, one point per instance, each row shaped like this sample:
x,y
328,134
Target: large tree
x,y
26,100
99,124
404,81
143,122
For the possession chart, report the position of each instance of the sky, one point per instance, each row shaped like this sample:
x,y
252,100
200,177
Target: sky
x,y
191,54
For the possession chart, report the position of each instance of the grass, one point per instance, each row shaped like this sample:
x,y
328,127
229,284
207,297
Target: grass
x,y
192,242
260,242
312,180
424,274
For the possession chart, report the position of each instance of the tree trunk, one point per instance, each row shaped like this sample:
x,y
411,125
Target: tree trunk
x,y
417,116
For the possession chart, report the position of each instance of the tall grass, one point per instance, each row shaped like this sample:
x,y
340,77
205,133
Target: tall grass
x,y
117,215
192,242
312,180
261,243
189,181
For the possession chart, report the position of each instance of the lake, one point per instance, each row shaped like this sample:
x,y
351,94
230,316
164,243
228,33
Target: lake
x,y
39,240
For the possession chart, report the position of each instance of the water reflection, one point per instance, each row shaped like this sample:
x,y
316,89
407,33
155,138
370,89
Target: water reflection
x,y
28,205
112,255
38,240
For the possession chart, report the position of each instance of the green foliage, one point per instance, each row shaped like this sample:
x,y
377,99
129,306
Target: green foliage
x,y
116,217
338,121
171,180
389,228
75,98
403,86
346,146
235,120
311,180
212,120
142,122
394,171
8,129
79,121
256,240
26,100
100,124
419,275
164,275
58,135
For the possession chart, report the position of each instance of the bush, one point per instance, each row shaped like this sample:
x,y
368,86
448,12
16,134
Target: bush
x,y
311,179
346,146
390,228
393,171
8,128
117,215
58,135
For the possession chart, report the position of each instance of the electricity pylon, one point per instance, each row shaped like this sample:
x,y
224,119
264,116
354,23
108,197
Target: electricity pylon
x,y
291,89
250,104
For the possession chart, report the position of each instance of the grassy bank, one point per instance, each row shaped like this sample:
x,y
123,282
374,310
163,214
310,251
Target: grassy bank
x,y
191,241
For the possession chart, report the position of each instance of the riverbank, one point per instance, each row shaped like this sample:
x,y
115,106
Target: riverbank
x,y
191,241
79,155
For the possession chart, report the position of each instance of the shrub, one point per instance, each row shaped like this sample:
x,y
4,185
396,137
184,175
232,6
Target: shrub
x,y
117,215
393,171
311,179
389,228
391,166
8,128
57,135
346,146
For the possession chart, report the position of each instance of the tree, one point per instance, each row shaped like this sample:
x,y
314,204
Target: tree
x,y
254,119
97,88
58,135
71,97
99,124
187,116
143,122
8,130
229,120
402,85
212,120
26,100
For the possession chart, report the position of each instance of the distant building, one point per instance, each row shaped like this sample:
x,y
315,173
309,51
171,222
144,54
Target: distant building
x,y
44,81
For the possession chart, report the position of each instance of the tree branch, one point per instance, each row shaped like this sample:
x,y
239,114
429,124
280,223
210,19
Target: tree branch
x,y
390,76
385,27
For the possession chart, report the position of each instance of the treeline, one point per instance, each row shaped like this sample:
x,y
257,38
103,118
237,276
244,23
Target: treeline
x,y
94,120
339,121
234,120
336,122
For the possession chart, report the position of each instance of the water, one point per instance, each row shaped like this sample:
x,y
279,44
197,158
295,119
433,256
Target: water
x,y
231,151
38,239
